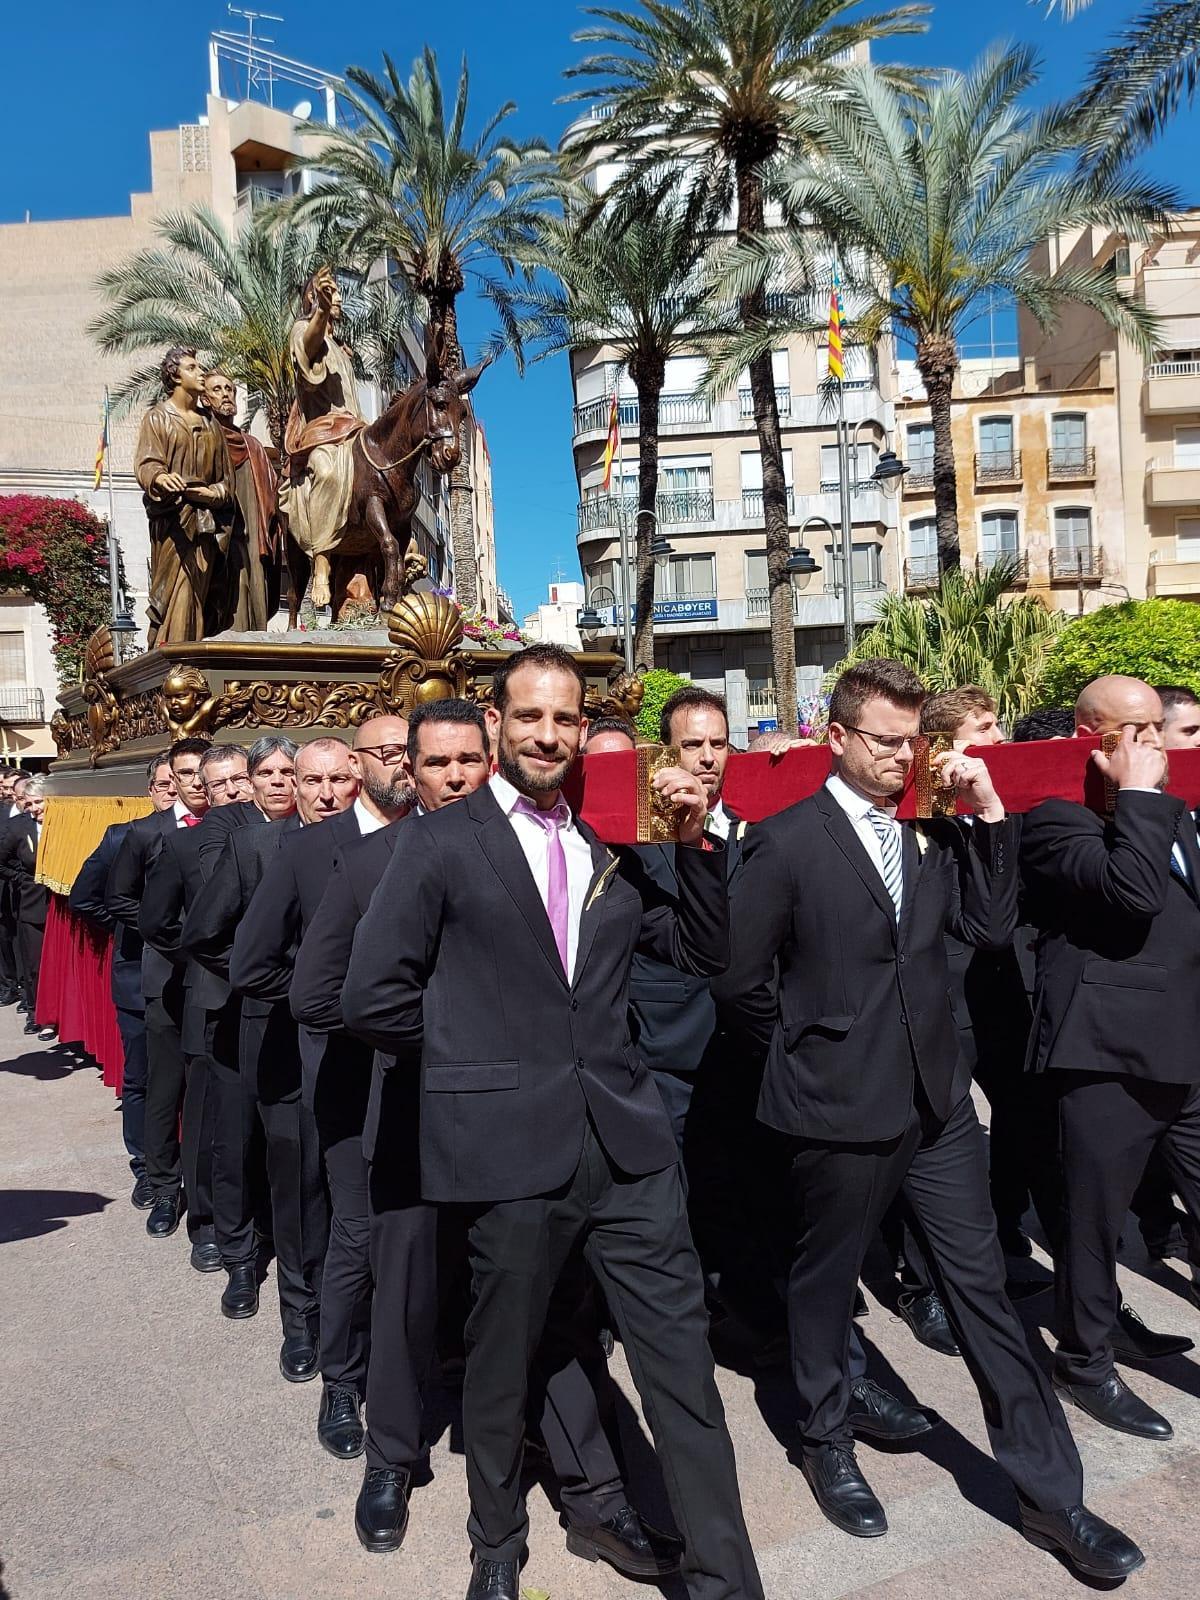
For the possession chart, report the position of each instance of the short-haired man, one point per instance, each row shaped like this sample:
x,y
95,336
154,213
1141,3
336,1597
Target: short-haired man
x,y
496,954
966,715
1181,717
18,860
1116,1017
334,1087
10,985
87,899
852,908
162,982
1047,722
271,765
606,734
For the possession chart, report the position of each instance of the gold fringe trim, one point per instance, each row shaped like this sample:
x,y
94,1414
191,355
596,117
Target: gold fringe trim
x,y
73,826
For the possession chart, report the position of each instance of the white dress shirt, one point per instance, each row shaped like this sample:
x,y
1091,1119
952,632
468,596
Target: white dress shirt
x,y
717,821
534,842
367,821
856,806
181,811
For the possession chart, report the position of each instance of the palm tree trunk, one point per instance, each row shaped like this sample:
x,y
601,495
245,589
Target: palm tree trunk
x,y
462,499
649,379
937,362
774,484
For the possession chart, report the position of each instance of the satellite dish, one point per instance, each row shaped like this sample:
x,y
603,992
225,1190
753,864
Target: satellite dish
x,y
303,110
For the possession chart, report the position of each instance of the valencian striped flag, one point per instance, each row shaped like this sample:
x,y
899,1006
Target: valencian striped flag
x,y
101,443
837,367
610,447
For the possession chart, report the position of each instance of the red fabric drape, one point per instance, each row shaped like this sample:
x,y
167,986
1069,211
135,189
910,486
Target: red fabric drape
x,y
73,989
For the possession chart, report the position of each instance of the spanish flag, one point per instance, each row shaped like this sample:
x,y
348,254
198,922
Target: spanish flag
x,y
614,438
101,443
837,367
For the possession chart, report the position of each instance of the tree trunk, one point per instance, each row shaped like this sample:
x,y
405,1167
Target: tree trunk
x,y
937,362
462,500
649,376
774,484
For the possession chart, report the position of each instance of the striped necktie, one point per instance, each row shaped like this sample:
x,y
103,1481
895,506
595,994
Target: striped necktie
x,y
893,858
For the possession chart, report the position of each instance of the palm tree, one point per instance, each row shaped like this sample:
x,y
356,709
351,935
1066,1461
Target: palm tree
x,y
407,185
638,287
234,297
968,632
943,195
716,84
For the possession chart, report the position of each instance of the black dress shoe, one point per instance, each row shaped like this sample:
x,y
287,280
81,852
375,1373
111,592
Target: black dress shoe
x,y
299,1357
339,1422
1132,1340
206,1257
876,1414
142,1195
494,1580
381,1510
240,1298
627,1543
926,1316
1091,1545
861,1308
1114,1404
165,1214
842,1492
30,1025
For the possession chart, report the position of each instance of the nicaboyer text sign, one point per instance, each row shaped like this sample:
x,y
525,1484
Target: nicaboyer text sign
x,y
703,609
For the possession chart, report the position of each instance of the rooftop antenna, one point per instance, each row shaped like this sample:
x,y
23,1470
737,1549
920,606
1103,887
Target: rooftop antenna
x,y
254,73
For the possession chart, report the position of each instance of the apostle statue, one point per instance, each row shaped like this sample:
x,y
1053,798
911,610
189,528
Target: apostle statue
x,y
320,430
246,590
182,466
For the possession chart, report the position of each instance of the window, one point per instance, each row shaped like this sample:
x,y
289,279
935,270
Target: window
x,y
996,444
859,364
12,661
868,570
1187,447
685,578
998,537
831,467
922,538
708,664
682,473
1072,530
1187,539
1068,440
920,449
752,471
757,581
602,575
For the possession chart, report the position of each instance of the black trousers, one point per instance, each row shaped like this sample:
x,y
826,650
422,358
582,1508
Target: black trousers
x,y
164,1090
635,1238
840,1195
239,1150
347,1282
133,1087
1109,1127
29,959
403,1232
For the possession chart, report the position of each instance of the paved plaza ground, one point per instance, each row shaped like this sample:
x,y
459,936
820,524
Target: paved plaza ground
x,y
149,1449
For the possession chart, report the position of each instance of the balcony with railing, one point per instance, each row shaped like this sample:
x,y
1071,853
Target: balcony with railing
x,y
22,705
1172,483
1071,466
1172,386
921,572
919,478
1017,560
673,508
783,402
674,410
1076,563
997,466
758,604
752,503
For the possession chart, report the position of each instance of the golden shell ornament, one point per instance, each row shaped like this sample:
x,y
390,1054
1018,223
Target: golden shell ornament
x,y
426,625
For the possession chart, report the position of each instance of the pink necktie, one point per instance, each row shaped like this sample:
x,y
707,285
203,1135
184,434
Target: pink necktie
x,y
556,899
191,820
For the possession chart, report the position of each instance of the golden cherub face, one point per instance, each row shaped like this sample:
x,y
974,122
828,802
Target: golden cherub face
x,y
182,692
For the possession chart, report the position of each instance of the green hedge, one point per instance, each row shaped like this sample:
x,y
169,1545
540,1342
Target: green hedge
x,y
660,686
1156,640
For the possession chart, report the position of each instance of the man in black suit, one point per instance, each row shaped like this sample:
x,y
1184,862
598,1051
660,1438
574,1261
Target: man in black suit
x,y
270,1074
494,960
852,908
87,899
334,1079
1116,901
162,984
18,860
10,984
173,881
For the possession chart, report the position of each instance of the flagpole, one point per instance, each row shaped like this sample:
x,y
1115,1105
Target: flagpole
x,y
114,583
623,529
847,539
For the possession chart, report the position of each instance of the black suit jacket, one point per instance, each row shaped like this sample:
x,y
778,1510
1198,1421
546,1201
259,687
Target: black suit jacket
x,y
283,906
673,1015
455,964
141,843
174,882
224,820
18,857
1118,958
88,900
392,1101
861,1003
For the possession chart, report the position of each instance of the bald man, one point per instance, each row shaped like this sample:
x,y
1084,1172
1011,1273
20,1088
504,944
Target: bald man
x,y
335,1075
1116,901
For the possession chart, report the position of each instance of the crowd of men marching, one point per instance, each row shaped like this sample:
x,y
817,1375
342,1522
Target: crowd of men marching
x,y
491,1093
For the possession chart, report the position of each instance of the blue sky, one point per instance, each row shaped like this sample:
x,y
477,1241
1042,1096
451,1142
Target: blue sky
x,y
93,81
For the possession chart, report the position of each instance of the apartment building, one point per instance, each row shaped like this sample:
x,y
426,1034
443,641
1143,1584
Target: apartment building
x,y
234,158
1039,480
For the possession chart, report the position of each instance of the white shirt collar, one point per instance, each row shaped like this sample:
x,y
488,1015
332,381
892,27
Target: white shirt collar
x,y
507,795
367,821
181,811
855,805
718,821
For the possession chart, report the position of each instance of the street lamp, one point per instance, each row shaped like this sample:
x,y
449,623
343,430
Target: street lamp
x,y
589,622
888,475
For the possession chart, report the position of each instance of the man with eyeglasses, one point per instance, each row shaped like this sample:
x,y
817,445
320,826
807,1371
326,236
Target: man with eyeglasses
x,y
87,900
173,880
334,1088
851,908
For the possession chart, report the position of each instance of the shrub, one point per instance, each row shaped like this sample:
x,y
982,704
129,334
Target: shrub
x,y
660,685
1156,640
56,552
